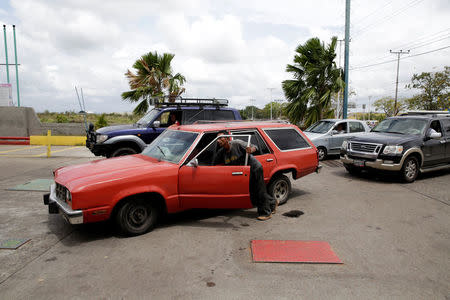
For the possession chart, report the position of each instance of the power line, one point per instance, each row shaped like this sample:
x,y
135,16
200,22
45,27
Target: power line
x,y
392,60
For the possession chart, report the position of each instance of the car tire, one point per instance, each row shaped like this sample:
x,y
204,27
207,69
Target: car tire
x,y
410,169
137,216
352,169
280,188
321,153
123,151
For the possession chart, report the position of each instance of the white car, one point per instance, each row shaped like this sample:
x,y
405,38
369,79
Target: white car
x,y
329,134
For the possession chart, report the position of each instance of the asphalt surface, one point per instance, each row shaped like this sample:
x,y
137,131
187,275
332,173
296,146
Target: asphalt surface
x,y
393,238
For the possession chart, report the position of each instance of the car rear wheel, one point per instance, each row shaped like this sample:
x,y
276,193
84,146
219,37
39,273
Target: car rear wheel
x,y
410,169
123,151
280,188
137,216
322,153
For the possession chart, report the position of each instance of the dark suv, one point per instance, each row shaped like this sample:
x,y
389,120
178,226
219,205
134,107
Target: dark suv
x,y
128,139
406,144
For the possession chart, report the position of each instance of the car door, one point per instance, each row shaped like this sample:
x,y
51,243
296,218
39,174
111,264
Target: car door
x,y
336,139
434,150
446,131
263,154
208,186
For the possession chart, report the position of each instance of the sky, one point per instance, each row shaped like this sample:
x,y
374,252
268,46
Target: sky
x,y
233,49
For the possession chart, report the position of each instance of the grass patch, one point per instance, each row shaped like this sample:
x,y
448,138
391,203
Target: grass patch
x,y
73,117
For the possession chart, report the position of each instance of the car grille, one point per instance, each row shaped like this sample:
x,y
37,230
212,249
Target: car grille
x,y
365,147
61,192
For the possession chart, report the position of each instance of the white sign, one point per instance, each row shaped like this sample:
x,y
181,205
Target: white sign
x,y
6,95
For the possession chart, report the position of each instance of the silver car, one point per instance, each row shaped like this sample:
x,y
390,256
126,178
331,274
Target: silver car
x,y
328,134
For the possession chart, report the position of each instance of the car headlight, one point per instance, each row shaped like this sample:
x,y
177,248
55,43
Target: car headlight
x,y
101,138
393,150
68,196
344,145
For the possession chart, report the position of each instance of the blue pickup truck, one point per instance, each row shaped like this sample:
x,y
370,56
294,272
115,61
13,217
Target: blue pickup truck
x,y
119,140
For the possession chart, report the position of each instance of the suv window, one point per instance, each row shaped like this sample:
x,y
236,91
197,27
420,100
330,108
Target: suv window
x,y
192,115
356,127
219,115
287,138
256,140
446,123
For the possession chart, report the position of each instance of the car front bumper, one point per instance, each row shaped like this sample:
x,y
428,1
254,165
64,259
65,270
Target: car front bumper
x,y
379,164
56,205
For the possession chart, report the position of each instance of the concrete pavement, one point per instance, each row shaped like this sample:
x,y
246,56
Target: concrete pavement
x,y
394,240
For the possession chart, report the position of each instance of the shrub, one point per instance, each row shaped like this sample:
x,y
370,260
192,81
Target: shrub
x,y
101,122
61,119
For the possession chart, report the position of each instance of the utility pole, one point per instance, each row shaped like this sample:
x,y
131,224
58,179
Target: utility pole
x,y
396,82
270,89
252,101
347,51
338,109
6,53
369,107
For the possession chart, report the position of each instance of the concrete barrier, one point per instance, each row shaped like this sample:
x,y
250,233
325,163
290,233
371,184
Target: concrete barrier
x,y
58,140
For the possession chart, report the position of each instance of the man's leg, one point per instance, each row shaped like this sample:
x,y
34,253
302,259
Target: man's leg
x,y
263,199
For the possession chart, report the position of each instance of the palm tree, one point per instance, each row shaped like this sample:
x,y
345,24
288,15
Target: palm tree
x,y
153,79
316,79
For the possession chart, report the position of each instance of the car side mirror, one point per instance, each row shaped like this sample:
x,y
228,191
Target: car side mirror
x,y
156,123
435,135
193,163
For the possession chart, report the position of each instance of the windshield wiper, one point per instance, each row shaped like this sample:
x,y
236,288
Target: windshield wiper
x,y
395,132
161,151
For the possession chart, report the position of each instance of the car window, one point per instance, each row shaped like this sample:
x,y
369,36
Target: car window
x,y
320,127
436,126
205,159
165,119
256,140
287,138
219,115
341,127
356,127
446,123
192,115
402,126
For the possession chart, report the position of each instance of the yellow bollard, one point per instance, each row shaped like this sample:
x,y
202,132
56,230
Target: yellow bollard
x,y
49,134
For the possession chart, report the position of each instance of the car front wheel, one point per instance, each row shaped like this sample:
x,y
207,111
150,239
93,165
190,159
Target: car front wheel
x,y
123,151
137,216
280,188
322,153
410,169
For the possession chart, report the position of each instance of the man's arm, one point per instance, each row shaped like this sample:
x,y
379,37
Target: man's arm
x,y
250,149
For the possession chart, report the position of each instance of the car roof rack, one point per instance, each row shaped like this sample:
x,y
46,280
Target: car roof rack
x,y
167,101
434,113
238,121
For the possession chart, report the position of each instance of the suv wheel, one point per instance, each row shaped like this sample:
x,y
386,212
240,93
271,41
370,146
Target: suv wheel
x,y
322,153
123,151
137,216
410,169
280,188
352,169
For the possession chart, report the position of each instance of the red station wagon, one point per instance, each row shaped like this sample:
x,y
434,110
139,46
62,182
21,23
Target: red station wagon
x,y
175,173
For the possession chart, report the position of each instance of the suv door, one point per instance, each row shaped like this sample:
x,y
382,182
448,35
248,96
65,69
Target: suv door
x,y
434,150
446,131
208,186
337,138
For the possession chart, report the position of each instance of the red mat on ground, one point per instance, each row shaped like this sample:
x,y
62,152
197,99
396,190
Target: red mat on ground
x,y
293,251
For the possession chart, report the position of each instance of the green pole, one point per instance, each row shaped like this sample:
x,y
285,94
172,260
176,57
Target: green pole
x,y
6,53
346,54
17,69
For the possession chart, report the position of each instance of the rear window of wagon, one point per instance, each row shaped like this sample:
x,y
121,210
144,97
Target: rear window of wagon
x,y
287,138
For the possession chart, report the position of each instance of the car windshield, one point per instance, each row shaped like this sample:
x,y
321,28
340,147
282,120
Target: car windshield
x,y
320,127
148,117
171,145
402,126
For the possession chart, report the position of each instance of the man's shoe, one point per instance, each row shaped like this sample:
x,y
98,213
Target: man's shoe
x,y
274,211
264,218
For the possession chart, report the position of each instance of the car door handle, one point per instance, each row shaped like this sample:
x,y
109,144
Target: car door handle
x,y
237,173
443,141
269,159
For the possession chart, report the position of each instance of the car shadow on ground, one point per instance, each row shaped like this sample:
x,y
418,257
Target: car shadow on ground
x,y
387,177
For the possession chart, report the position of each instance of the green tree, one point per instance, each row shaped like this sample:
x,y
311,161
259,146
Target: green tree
x,y
387,105
435,90
316,80
152,78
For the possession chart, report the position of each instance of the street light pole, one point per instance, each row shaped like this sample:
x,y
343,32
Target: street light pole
x,y
396,81
252,101
270,89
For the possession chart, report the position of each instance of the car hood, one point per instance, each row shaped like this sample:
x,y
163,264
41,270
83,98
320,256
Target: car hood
x,y
385,138
313,136
117,128
77,177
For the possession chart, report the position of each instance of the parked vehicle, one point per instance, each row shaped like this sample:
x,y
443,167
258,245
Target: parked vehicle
x,y
405,144
122,140
175,173
328,134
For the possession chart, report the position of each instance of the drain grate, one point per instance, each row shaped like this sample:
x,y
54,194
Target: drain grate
x,y
333,163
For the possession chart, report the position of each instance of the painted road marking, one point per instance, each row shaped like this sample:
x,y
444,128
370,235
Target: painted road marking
x,y
21,149
55,151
